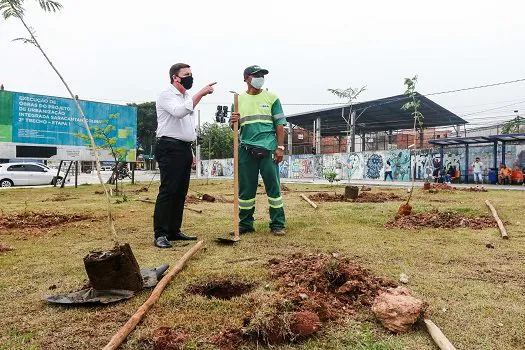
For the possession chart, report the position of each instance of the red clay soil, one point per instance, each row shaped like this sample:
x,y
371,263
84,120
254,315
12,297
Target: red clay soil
x,y
436,219
5,248
364,197
39,220
191,199
166,338
311,290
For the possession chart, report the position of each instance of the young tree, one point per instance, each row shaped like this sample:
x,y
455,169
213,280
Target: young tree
x,y
15,9
146,124
216,141
513,126
413,105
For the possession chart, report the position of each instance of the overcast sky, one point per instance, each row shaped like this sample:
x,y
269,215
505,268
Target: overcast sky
x,y
120,51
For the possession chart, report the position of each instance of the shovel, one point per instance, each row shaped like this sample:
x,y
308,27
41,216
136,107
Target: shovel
x,y
235,238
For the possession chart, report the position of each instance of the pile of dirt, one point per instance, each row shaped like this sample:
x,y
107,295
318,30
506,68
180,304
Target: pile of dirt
x,y
311,290
39,220
166,338
437,219
191,199
364,197
5,248
435,188
59,197
223,288
140,190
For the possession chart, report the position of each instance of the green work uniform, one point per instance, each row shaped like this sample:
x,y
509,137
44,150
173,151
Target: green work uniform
x,y
259,116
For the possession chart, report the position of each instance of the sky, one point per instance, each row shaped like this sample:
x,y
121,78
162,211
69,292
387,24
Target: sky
x,y
120,51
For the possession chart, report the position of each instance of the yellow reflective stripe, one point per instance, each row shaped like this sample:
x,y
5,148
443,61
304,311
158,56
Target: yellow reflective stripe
x,y
247,200
257,121
246,208
277,206
275,199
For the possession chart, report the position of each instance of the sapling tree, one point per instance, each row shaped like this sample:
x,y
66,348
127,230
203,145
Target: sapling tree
x,y
413,106
15,9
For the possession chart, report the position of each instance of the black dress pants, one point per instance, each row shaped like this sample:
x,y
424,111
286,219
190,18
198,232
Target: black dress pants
x,y
175,159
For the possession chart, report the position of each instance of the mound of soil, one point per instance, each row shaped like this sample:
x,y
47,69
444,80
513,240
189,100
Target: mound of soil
x,y
5,248
39,220
140,190
437,219
285,188
225,288
166,338
311,290
59,197
191,199
364,197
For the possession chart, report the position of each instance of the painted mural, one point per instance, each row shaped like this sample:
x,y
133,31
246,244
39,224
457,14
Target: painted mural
x,y
371,165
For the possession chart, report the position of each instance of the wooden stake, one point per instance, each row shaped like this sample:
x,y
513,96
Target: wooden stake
x,y
496,217
123,332
439,338
236,171
195,210
309,201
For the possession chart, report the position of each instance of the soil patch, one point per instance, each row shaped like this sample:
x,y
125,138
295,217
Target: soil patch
x,y
225,288
140,190
166,338
40,220
5,248
311,290
435,188
364,197
437,219
285,188
191,199
59,197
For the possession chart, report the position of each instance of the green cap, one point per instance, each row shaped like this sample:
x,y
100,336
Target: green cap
x,y
254,69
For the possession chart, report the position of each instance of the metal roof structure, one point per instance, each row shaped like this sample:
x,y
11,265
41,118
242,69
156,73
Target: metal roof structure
x,y
377,115
455,141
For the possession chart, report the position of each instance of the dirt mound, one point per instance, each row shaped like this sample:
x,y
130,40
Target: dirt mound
x,y
5,248
311,290
140,190
437,219
435,188
225,288
191,199
166,338
364,197
285,188
39,220
398,310
59,197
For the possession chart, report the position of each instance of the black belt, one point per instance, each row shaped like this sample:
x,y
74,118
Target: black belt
x,y
171,139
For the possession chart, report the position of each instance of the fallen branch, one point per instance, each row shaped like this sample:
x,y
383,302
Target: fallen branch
x,y
195,210
146,201
309,201
123,332
496,217
439,338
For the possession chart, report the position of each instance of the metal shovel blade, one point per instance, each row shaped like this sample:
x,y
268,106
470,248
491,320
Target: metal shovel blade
x,y
227,241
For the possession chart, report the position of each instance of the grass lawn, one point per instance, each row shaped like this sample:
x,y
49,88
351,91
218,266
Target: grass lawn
x,y
477,293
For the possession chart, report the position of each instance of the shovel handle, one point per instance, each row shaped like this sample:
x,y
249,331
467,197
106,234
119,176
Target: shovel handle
x,y
236,170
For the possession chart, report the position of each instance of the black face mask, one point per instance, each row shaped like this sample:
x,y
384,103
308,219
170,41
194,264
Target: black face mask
x,y
186,82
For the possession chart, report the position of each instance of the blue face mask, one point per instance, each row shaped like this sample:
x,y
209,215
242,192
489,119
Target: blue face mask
x,y
257,83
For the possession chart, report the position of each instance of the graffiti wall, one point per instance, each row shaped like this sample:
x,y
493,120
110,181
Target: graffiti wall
x,y
371,165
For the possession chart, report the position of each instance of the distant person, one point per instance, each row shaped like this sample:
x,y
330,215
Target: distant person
x,y
477,169
504,174
388,171
175,133
449,176
261,127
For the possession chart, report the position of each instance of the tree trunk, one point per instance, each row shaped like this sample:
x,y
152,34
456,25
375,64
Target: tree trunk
x,y
113,269
351,192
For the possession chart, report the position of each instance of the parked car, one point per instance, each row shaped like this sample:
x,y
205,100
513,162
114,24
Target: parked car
x,y
23,174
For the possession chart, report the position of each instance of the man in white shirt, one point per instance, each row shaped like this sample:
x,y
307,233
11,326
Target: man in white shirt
x,y
477,170
173,152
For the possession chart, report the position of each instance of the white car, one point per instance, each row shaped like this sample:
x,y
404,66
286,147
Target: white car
x,y
24,174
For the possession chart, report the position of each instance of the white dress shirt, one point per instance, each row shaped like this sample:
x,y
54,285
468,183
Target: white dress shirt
x,y
175,115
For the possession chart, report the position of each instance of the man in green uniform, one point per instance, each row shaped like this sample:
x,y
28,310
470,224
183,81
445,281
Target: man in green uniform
x,y
261,129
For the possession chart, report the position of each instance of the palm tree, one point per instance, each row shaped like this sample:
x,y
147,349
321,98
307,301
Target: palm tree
x,y
15,9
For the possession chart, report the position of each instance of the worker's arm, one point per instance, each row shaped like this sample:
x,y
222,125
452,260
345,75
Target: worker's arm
x,y
279,121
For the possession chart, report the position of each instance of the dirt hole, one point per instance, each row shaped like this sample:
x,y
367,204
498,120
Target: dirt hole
x,y
39,220
437,219
224,289
364,197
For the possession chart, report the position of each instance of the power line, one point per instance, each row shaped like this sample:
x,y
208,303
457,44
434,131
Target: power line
x,y
476,87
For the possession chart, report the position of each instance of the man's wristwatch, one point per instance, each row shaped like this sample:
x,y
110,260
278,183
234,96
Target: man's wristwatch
x,y
281,147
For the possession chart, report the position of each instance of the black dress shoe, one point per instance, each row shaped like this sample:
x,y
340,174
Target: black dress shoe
x,y
162,242
182,237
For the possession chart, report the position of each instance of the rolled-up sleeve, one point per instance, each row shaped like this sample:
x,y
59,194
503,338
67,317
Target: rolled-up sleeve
x,y
174,106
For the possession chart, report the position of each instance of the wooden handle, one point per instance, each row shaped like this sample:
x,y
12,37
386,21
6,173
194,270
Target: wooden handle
x,y
439,338
123,332
496,217
308,200
236,170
